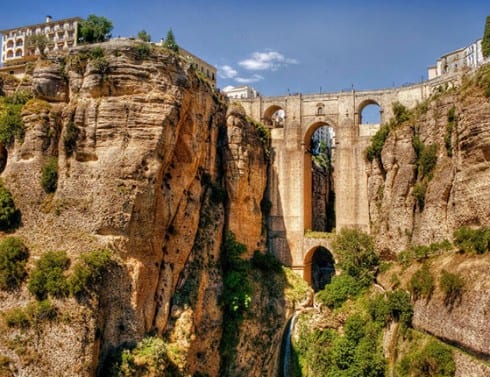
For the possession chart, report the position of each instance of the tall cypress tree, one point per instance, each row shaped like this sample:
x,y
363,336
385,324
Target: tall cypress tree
x,y
170,41
485,44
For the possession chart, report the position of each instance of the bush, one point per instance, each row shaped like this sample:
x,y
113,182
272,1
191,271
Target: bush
x,y
357,254
400,308
435,359
235,298
143,51
70,138
32,315
88,272
341,288
9,215
377,143
49,175
13,259
401,113
11,124
421,283
452,286
48,275
419,191
427,160
472,240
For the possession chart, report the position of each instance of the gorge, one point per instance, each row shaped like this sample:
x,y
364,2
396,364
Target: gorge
x,y
181,238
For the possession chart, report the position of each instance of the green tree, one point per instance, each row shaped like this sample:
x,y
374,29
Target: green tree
x,y
94,29
48,277
37,41
170,41
144,36
49,175
13,259
485,43
357,254
8,213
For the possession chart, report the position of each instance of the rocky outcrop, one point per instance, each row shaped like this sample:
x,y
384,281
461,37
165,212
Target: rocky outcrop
x,y
246,180
152,167
460,187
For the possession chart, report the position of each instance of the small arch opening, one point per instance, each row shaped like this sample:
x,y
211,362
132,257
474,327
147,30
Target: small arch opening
x,y
319,268
275,116
370,113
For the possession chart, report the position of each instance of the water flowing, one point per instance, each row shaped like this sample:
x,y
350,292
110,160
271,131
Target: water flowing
x,y
286,359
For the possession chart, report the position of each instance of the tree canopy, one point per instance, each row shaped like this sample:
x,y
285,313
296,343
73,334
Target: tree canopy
x,y
170,41
485,44
144,36
95,29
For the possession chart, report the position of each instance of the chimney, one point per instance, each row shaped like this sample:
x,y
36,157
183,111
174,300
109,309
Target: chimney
x,y
48,19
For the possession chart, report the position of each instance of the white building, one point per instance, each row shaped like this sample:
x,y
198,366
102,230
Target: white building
x,y
61,35
244,91
467,57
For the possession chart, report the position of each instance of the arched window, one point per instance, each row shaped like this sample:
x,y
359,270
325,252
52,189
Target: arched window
x,y
18,53
320,109
370,113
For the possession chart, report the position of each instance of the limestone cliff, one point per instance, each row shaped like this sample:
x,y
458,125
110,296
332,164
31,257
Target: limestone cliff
x,y
410,208
458,123
144,149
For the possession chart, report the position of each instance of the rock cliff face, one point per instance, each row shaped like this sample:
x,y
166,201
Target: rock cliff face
x,y
459,191
141,142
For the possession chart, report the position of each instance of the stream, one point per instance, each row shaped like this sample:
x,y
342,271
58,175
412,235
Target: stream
x,y
287,348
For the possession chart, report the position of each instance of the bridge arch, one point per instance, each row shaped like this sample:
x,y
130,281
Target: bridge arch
x,y
373,107
275,116
319,267
319,144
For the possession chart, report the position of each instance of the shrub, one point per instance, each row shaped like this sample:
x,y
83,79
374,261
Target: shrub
x,y
13,259
357,254
379,309
421,283
11,124
419,191
472,240
485,43
427,160
236,295
143,51
377,143
401,113
9,215
451,123
435,359
49,175
101,65
341,288
31,315
70,138
48,275
400,307
88,272
452,286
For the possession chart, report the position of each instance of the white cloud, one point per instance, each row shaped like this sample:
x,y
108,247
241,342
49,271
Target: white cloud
x,y
269,60
227,72
227,88
249,80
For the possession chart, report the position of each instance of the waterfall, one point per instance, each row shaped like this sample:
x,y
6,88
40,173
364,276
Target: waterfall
x,y
286,358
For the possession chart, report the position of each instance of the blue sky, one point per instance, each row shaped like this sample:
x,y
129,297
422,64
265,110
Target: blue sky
x,y
290,45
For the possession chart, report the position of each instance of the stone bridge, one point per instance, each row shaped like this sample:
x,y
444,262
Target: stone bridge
x,y
290,188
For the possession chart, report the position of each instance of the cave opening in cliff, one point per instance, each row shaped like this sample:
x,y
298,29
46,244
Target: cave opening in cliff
x,y
319,178
319,267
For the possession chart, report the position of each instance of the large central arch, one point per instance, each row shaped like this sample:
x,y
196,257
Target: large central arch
x,y
308,175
